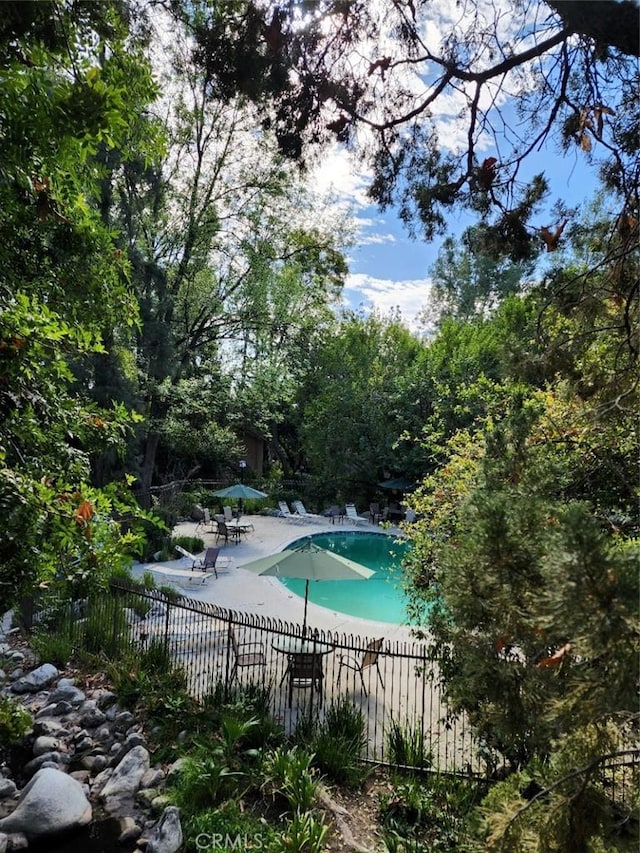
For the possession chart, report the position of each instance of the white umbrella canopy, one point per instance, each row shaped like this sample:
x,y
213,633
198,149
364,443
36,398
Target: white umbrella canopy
x,y
309,563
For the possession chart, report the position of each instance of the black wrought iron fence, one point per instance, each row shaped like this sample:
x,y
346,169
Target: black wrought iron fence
x,y
393,683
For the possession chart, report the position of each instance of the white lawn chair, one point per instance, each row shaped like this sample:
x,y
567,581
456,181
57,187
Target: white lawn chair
x,y
302,512
352,515
285,512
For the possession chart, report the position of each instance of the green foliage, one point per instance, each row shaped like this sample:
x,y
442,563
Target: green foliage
x,y
193,544
304,833
148,679
15,722
565,804
356,404
249,701
408,746
428,815
288,774
338,742
229,824
53,648
218,769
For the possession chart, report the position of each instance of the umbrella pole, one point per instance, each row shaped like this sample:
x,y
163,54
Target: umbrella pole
x,y
306,601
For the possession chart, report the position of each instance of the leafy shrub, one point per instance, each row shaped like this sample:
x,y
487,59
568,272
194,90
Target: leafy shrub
x,y
190,543
220,768
305,833
52,648
233,827
245,702
288,774
15,722
104,631
428,815
407,747
148,677
338,743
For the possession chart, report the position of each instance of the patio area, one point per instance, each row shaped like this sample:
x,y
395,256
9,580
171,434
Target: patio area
x,y
401,688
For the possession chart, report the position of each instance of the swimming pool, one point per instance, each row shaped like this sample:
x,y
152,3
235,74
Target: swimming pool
x,y
380,598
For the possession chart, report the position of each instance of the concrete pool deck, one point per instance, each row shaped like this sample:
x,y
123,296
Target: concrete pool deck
x,y
240,590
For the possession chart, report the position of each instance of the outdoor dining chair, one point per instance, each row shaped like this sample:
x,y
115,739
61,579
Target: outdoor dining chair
x,y
227,531
304,670
249,654
369,658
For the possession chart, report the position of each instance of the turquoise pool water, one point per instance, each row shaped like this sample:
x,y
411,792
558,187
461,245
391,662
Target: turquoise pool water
x,y
380,598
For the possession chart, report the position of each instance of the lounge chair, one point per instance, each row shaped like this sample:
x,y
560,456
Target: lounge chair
x,y
285,512
184,577
213,560
352,515
307,516
196,562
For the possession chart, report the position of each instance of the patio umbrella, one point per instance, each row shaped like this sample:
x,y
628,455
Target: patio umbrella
x,y
241,492
398,484
309,563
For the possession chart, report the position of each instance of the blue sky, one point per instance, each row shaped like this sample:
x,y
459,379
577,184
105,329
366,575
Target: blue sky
x,y
389,269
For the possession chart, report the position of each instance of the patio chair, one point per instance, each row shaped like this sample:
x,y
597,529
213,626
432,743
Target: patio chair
x,y
205,521
285,512
213,560
250,654
302,512
196,562
352,515
375,513
369,658
304,671
227,532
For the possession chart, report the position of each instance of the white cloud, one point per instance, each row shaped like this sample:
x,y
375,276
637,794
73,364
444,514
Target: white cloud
x,y
338,175
410,297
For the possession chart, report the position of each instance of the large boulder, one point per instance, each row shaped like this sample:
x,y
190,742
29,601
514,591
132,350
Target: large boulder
x,y
167,834
36,680
127,776
51,803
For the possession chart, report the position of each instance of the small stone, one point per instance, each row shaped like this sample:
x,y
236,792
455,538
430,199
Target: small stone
x,y
55,709
129,830
67,693
7,788
17,841
51,728
45,743
152,778
166,837
90,715
52,758
123,720
81,776
104,699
